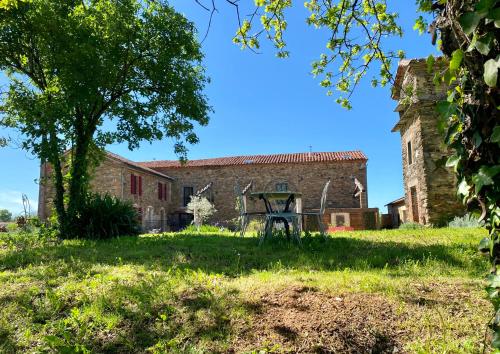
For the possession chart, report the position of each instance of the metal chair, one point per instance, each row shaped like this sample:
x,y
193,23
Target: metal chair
x,y
319,214
242,204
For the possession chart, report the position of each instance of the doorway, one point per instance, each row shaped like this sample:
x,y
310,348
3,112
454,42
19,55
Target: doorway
x,y
414,203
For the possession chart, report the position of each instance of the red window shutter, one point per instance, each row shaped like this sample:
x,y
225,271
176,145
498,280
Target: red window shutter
x,y
140,185
165,191
160,191
132,184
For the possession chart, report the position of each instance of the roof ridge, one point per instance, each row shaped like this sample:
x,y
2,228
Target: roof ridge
x,y
264,155
135,164
299,157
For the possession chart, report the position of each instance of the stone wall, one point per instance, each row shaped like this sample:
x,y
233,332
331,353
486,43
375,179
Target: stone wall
x,y
435,184
113,177
308,178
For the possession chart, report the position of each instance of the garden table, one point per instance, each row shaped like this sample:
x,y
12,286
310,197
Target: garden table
x,y
279,214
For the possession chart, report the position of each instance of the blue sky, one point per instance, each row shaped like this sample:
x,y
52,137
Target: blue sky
x,y
265,105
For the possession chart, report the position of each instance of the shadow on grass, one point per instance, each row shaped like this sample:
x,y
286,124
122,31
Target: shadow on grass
x,y
155,310
234,256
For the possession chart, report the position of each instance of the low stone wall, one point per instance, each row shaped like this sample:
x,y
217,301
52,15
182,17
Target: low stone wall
x,y
357,218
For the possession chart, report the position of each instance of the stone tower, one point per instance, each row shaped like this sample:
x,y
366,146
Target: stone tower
x,y
429,186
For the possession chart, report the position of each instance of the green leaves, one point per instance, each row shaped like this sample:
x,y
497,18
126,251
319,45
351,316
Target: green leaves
x,y
464,188
446,108
483,44
495,136
484,8
358,31
491,71
456,60
453,161
484,245
469,22
484,177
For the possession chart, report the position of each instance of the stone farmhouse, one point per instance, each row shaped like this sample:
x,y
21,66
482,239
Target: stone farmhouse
x,y
429,186
161,190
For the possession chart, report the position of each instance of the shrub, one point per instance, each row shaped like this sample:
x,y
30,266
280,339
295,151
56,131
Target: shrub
x,y
104,216
410,226
201,208
468,220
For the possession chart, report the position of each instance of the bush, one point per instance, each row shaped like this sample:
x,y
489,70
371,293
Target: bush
x,y
104,216
410,226
201,208
468,220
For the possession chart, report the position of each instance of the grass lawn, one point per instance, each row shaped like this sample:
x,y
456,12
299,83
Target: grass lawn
x,y
374,291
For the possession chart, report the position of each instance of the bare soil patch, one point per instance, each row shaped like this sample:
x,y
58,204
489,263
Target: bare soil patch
x,y
305,320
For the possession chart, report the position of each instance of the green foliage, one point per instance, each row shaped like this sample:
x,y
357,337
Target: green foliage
x,y
74,67
201,208
358,34
410,226
201,229
104,216
470,32
12,226
468,220
5,215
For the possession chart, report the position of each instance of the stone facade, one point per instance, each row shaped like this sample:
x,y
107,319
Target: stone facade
x,y
429,186
307,178
305,173
396,214
113,176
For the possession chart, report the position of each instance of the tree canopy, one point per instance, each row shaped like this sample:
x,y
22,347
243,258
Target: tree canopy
x,y
5,215
85,74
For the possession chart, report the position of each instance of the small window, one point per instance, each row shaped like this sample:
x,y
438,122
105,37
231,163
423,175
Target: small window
x,y
188,192
282,187
409,153
340,219
135,184
160,191
165,191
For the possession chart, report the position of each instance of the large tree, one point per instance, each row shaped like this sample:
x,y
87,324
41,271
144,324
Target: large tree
x,y
87,73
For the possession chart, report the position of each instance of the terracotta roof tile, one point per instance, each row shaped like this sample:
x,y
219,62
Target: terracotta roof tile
x,y
136,165
302,157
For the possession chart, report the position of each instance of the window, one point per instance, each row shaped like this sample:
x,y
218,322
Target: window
x,y
409,152
160,191
187,193
281,187
135,184
340,219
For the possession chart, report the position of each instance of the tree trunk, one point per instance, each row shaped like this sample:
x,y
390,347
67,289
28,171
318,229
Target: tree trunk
x,y
55,160
78,184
